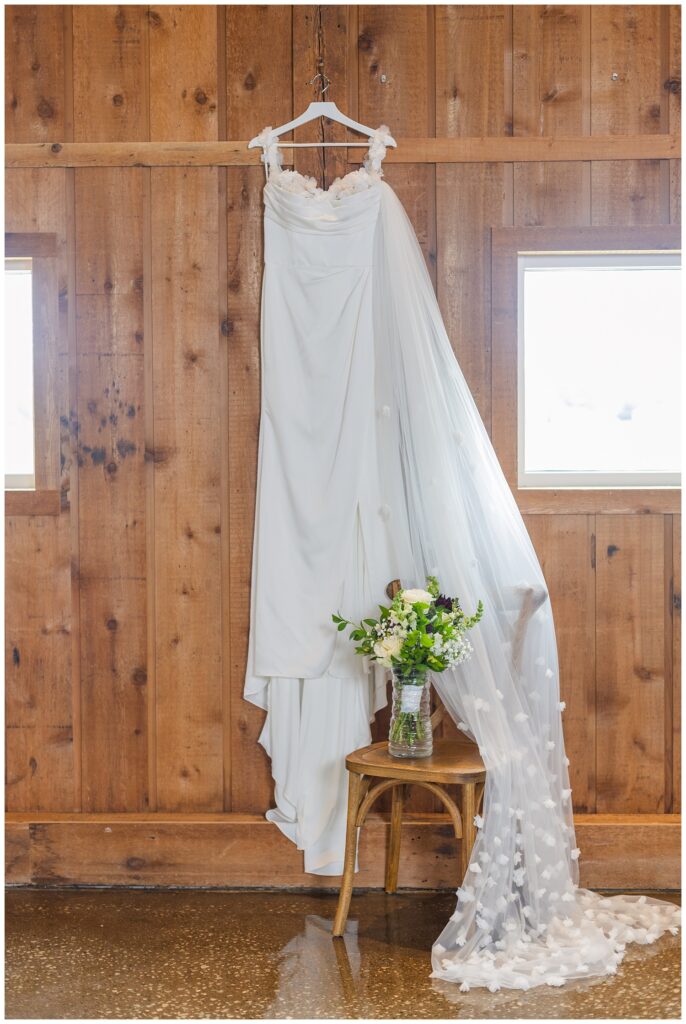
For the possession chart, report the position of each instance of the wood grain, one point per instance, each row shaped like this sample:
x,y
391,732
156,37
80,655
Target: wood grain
x,y
110,65
676,663
395,49
635,851
186,395
34,73
183,72
259,52
470,100
626,97
630,663
565,545
549,99
111,468
38,718
419,150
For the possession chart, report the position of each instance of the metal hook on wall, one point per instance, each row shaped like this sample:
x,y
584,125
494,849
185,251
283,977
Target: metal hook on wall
x,y
326,81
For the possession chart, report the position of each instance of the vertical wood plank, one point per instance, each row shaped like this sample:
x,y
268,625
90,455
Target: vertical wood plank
x,y
110,63
673,87
676,664
396,76
626,96
111,466
186,397
471,43
38,552
565,547
183,73
396,61
548,79
630,663
259,55
34,73
320,32
38,713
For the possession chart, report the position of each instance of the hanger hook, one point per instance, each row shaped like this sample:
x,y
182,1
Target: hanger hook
x,y
326,82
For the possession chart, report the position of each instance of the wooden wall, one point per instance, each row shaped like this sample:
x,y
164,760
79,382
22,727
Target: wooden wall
x,y
127,612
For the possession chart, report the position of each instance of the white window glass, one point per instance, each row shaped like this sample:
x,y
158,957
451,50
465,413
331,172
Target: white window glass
x,y
18,367
599,367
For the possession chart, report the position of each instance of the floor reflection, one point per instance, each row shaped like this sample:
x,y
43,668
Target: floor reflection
x,y
138,954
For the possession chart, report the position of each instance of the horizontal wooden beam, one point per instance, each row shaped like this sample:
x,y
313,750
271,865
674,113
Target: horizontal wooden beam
x,y
244,850
495,149
38,245
33,503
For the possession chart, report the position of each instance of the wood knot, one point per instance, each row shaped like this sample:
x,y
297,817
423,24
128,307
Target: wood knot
x,y
117,100
227,327
120,20
612,549
139,676
35,66
45,110
111,468
550,95
249,82
200,97
154,19
673,85
135,863
112,625
138,337
365,42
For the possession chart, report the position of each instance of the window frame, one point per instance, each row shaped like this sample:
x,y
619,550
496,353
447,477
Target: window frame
x,y
577,479
507,246
45,496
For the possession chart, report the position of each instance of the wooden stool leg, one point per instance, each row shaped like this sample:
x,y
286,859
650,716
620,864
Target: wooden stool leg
x,y
354,786
468,827
393,854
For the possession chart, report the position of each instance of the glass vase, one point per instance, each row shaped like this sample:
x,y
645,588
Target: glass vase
x,y
410,730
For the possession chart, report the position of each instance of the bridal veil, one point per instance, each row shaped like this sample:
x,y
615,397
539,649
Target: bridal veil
x,y
521,920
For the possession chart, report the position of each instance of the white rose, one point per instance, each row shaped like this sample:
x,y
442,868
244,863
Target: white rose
x,y
417,596
388,648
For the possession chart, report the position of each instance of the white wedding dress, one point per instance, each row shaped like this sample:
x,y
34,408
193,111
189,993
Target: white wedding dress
x,y
374,465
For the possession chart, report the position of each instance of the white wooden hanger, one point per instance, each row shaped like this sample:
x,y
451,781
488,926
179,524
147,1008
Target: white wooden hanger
x,y
319,108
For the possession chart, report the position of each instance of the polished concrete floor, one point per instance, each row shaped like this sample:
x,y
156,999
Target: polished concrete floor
x,y
190,954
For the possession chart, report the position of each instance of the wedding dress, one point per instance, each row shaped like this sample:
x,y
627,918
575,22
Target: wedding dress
x,y
373,465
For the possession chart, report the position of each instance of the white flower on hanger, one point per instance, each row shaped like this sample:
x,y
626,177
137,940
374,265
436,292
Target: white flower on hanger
x,y
476,868
520,717
549,745
549,673
518,876
478,821
502,859
575,854
562,705
549,803
500,695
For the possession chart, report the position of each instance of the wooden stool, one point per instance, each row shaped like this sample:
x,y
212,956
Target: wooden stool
x,y
453,762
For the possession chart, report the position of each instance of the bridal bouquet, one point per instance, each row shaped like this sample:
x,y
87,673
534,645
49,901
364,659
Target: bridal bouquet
x,y
421,631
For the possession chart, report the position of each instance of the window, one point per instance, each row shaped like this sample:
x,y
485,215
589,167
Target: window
x,y
18,367
598,373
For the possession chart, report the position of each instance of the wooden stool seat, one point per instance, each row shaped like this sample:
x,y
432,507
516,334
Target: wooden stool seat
x,y
452,762
373,771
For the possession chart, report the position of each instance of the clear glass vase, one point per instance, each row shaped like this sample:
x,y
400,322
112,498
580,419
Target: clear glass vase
x,y
410,730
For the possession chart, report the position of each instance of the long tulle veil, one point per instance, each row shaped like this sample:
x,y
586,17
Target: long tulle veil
x,y
521,919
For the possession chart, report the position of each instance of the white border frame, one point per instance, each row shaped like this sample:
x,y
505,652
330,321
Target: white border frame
x,y
586,480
